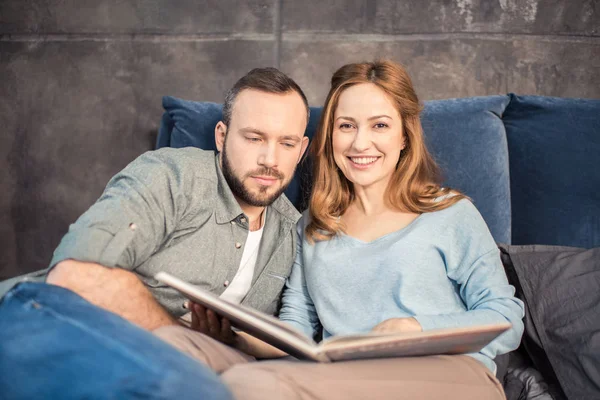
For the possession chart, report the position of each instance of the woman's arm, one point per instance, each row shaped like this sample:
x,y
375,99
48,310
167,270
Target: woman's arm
x,y
297,307
473,262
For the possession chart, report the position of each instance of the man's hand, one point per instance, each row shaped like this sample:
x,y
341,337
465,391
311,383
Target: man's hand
x,y
398,325
209,323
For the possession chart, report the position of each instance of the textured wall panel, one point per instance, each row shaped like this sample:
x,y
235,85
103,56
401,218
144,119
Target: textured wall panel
x,y
439,69
145,16
442,16
75,113
457,68
568,68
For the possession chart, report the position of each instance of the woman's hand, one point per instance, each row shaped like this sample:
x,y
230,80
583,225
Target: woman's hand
x,y
398,325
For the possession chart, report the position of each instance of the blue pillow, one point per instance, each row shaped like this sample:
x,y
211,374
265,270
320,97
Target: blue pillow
x,y
468,140
188,123
554,147
466,136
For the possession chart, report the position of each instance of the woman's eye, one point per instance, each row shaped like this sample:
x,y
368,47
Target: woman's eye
x,y
345,126
380,125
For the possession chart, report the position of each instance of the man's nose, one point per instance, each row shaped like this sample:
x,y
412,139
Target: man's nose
x,y
268,156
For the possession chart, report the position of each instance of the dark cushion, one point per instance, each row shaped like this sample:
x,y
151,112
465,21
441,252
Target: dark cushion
x,y
465,135
554,148
560,288
523,381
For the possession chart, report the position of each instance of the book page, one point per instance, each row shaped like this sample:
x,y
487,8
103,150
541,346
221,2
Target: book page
x,y
272,320
357,337
370,345
255,323
437,341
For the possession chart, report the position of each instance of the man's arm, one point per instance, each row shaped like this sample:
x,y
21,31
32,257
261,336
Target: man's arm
x,y
137,212
114,289
140,207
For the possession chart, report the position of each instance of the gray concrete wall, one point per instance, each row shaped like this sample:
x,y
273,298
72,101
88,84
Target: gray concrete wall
x,y
82,80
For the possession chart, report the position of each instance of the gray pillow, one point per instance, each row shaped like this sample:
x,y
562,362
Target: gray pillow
x,y
561,290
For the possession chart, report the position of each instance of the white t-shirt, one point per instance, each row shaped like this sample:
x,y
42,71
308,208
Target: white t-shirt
x,y
241,282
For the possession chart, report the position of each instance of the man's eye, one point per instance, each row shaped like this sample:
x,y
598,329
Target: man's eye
x,y
253,139
289,145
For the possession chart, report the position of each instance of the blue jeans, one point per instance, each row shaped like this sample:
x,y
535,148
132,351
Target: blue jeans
x,y
56,345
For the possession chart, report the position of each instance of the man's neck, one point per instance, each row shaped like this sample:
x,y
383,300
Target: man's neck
x,y
254,215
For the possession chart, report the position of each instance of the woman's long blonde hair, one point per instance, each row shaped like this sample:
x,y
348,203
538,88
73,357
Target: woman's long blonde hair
x,y
414,185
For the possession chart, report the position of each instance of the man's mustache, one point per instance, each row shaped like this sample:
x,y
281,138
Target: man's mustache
x,y
266,172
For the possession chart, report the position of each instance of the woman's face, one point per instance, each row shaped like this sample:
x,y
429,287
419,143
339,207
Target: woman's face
x,y
367,135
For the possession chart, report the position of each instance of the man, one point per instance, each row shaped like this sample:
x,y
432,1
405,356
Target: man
x,y
219,222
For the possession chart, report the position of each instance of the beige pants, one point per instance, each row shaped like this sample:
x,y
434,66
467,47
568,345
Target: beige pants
x,y
423,378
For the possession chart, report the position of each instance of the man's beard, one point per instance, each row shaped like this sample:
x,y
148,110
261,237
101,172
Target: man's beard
x,y
239,190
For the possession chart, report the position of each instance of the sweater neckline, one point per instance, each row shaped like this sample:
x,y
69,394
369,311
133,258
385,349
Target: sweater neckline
x,y
392,234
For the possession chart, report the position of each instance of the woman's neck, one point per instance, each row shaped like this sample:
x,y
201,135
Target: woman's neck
x,y
370,200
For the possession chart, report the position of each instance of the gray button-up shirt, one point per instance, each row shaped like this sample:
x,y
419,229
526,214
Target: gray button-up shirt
x,y
172,210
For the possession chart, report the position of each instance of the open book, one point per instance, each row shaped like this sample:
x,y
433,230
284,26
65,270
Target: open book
x,y
370,345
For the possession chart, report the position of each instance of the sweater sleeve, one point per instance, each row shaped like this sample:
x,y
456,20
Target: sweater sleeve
x,y
297,307
473,263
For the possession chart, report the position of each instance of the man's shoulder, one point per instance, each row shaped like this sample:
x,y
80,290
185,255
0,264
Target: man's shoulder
x,y
183,157
285,208
186,161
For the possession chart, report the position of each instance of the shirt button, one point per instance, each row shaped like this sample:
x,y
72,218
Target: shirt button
x,y
243,220
226,283
232,222
132,226
238,245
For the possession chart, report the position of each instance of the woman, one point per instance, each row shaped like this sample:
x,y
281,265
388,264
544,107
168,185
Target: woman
x,y
384,248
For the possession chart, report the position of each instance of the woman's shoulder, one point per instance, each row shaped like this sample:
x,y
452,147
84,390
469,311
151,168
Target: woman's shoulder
x,y
459,214
319,236
463,205
305,218
461,219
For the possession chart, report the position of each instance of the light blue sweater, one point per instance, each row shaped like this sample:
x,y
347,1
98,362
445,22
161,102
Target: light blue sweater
x,y
443,269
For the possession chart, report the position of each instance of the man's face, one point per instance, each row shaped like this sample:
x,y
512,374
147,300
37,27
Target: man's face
x,y
262,145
